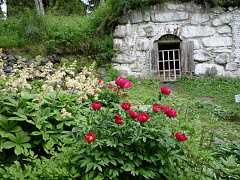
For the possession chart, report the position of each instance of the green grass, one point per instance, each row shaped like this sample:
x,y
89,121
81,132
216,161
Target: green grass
x,y
222,116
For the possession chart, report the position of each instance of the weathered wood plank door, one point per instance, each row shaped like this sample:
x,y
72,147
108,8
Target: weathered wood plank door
x,y
187,61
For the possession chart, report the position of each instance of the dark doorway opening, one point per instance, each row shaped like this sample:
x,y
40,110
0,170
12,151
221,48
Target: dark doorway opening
x,y
169,64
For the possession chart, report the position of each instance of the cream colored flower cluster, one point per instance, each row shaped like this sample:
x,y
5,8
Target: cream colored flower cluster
x,y
18,80
2,75
84,84
65,113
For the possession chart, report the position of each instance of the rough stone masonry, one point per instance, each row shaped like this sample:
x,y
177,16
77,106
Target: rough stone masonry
x,y
215,33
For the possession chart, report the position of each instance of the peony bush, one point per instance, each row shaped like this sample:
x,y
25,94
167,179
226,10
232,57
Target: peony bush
x,y
78,130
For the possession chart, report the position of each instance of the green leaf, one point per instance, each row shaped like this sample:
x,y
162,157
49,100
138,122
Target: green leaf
x,y
89,167
9,144
112,161
18,150
60,125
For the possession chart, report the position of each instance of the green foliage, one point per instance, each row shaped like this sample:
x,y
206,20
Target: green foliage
x,y
221,89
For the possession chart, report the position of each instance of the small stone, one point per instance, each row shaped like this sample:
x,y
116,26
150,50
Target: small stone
x,y
71,58
8,69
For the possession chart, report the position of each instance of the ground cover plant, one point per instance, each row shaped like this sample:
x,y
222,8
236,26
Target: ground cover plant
x,y
73,128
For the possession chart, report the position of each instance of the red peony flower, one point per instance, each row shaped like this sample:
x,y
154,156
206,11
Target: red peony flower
x,y
180,136
99,80
157,106
143,117
119,121
95,92
155,109
123,83
171,112
164,108
126,106
118,80
96,105
165,90
117,116
90,137
110,87
133,114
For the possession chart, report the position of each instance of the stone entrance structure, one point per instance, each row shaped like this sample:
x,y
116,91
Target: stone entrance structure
x,y
171,39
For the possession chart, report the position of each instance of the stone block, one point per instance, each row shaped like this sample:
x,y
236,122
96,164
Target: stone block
x,y
124,19
197,31
222,58
175,7
169,16
123,73
217,22
117,44
137,16
224,29
217,41
231,67
122,31
142,44
199,18
209,69
202,56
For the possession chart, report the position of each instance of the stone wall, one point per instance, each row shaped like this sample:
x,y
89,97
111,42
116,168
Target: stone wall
x,y
215,33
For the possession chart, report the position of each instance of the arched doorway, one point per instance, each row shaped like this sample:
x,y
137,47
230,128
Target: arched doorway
x,y
168,58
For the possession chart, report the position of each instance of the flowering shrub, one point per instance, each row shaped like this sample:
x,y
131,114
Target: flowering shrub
x,y
74,133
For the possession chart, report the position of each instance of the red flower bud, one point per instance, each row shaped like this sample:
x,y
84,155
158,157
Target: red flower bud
x,y
117,116
110,87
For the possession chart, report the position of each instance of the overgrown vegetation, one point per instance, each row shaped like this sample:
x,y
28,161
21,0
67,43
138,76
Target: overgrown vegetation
x,y
64,28
42,131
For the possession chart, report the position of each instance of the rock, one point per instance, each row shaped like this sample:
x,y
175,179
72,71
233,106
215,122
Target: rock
x,y
142,44
17,57
11,58
169,16
222,58
199,18
197,31
231,67
64,60
38,59
103,73
71,58
123,73
44,61
202,56
209,69
123,31
217,41
11,63
224,29
8,69
24,59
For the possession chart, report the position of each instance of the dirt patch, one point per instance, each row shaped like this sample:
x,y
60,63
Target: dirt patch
x,y
211,100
